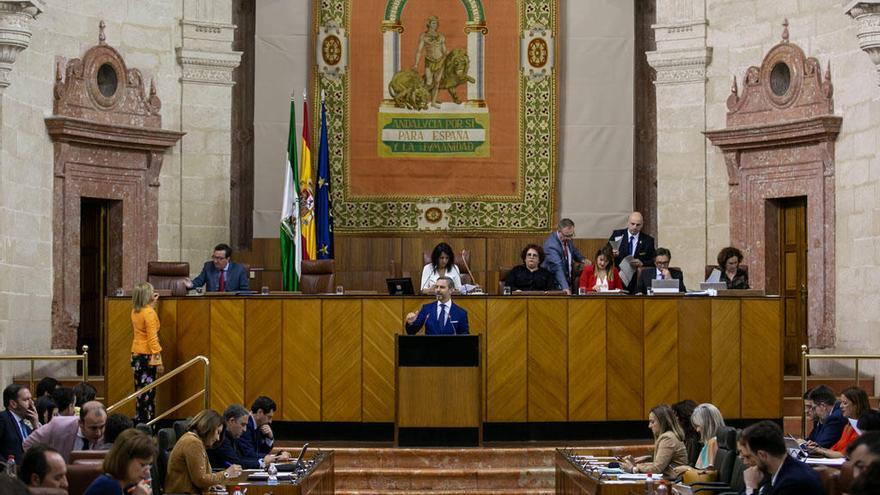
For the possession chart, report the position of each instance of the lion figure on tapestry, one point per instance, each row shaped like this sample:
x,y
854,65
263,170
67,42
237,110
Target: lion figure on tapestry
x,y
408,88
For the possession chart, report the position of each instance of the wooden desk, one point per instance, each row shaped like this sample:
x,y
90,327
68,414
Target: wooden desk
x,y
544,359
319,480
571,480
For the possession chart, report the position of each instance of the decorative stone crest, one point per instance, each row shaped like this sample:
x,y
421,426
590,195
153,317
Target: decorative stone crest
x,y
779,143
867,14
15,32
207,66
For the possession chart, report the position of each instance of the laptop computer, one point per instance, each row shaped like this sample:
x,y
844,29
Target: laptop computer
x,y
666,285
400,286
713,285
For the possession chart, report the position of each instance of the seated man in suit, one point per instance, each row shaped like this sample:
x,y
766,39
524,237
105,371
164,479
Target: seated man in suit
x,y
635,243
17,422
68,433
762,447
828,420
43,468
258,438
229,451
221,274
660,271
561,257
442,317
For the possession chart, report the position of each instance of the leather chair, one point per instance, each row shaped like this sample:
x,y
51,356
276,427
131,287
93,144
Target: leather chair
x,y
318,277
82,473
465,278
727,463
168,275
167,439
179,427
502,278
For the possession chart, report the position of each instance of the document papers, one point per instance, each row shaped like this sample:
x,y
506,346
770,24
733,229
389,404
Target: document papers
x,y
714,277
626,271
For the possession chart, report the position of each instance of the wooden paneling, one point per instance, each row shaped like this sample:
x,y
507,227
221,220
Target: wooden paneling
x,y
548,360
227,352
365,262
506,360
301,374
726,356
168,340
439,397
625,354
382,321
586,360
118,377
193,339
661,352
341,360
761,359
695,350
263,318
476,308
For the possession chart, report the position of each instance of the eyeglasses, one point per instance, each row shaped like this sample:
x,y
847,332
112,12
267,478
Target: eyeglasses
x,y
218,258
661,263
532,255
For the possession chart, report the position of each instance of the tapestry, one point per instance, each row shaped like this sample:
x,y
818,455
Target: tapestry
x,y
442,114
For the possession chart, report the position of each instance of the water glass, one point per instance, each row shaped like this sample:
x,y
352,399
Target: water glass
x,y
506,290
119,292
340,290
264,290
582,291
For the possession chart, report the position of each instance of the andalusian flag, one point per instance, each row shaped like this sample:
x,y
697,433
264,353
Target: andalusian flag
x,y
307,192
323,214
291,237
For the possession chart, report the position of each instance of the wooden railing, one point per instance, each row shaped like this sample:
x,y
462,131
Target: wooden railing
x,y
167,377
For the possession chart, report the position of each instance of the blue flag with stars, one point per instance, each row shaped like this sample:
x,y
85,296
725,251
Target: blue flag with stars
x,y
323,214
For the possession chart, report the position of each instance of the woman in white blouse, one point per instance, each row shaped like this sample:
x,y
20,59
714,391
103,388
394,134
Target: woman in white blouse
x,y
442,265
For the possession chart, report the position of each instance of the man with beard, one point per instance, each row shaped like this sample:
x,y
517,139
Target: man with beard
x,y
828,420
771,470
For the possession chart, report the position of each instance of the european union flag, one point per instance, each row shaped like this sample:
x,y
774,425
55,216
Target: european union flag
x,y
323,212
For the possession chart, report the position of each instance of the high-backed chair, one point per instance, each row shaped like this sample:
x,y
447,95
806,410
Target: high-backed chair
x,y
81,474
167,439
168,275
725,464
179,427
318,277
502,278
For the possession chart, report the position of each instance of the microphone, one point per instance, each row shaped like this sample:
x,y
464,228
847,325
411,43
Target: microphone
x,y
468,268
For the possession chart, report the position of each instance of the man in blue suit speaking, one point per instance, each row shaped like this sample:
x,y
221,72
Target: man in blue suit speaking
x,y
221,274
439,318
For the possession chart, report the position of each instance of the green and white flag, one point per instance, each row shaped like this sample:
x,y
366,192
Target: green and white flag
x,y
291,238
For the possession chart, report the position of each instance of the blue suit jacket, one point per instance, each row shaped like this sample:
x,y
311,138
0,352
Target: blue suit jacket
x,y
795,478
828,433
252,441
457,323
553,259
229,451
644,248
10,437
236,278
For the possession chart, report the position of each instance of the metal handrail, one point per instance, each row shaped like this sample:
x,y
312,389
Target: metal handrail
x,y
84,358
166,377
807,357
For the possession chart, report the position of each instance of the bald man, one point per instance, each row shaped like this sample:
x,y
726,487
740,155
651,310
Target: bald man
x,y
635,243
69,433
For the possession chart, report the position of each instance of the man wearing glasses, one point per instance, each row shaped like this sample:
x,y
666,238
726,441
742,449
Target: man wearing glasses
x,y
221,274
660,271
562,258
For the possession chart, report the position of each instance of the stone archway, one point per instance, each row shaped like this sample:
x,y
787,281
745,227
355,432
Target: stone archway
x,y
779,143
109,145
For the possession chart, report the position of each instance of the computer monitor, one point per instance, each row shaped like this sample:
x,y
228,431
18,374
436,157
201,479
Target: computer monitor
x,y
400,286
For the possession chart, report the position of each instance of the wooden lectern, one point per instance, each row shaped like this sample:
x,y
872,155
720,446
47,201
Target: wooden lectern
x,y
438,390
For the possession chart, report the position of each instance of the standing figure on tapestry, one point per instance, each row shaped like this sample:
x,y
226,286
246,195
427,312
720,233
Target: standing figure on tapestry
x,y
433,45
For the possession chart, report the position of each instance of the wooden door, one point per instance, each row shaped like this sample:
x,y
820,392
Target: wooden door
x,y
93,279
793,278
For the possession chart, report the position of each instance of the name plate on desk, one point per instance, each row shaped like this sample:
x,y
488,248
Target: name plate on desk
x,y
438,350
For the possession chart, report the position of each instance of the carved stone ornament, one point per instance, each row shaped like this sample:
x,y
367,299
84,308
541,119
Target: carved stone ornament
x,y
15,32
867,14
208,66
779,143
109,146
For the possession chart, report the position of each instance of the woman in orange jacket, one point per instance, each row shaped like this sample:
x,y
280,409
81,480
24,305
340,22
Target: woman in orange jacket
x,y
146,353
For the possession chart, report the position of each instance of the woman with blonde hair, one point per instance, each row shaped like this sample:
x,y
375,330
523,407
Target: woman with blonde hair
x,y
707,421
669,449
146,353
188,468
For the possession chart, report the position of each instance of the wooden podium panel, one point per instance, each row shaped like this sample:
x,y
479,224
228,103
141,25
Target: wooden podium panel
x,y
544,358
438,397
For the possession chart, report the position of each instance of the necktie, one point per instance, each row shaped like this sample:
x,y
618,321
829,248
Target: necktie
x,y
85,444
566,257
223,281
442,314
24,429
632,245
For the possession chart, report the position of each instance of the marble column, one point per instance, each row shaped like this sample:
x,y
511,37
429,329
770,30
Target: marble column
x,y
207,61
680,60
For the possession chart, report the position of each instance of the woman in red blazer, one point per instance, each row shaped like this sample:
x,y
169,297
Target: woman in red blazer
x,y
602,275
